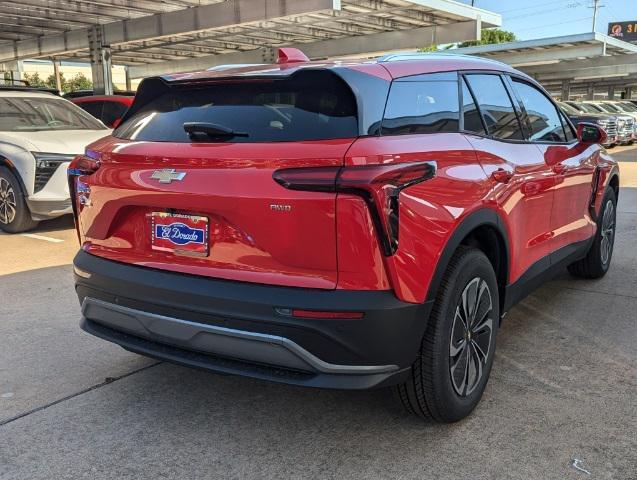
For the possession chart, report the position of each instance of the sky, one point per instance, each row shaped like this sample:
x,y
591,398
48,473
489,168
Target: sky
x,y
530,19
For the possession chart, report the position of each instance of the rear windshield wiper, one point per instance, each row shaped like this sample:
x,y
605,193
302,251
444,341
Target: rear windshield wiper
x,y
211,130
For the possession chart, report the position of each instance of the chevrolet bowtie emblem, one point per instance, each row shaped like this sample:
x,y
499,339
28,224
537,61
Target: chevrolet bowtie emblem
x,y
167,175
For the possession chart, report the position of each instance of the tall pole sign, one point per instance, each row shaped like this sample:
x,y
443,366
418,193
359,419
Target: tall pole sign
x,y
626,31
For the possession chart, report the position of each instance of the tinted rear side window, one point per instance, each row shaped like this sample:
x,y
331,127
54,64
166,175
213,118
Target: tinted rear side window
x,y
94,108
112,111
422,106
495,104
546,125
310,105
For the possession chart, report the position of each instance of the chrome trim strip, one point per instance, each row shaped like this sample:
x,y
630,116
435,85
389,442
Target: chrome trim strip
x,y
183,330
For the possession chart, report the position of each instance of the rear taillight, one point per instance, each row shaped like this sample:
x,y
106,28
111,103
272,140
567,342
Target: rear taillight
x,y
86,164
79,191
379,185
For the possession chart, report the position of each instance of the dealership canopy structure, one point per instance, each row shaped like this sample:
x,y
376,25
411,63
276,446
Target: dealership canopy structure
x,y
574,64
157,37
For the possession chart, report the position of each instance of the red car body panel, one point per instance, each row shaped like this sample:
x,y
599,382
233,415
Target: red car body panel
x,y
429,210
574,168
524,203
251,240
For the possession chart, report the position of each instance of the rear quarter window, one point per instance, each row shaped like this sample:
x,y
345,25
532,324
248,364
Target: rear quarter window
x,y
424,104
309,105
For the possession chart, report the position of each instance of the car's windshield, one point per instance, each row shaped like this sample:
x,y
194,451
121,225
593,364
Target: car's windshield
x,y
568,109
602,107
610,107
37,113
627,107
590,108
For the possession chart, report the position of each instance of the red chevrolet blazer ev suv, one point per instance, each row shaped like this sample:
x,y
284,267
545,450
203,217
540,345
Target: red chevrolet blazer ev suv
x,y
348,224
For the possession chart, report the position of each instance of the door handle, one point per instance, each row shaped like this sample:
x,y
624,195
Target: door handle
x,y
559,168
501,175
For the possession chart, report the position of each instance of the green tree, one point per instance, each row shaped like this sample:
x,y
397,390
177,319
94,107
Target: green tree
x,y
430,48
79,82
491,36
33,79
50,82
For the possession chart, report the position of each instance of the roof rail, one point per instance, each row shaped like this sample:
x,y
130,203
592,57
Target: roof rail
x,y
23,88
15,82
396,57
221,68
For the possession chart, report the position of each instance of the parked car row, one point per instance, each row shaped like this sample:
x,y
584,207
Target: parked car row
x,y
618,118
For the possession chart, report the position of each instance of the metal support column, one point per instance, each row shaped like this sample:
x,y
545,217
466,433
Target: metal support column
x,y
100,62
56,74
611,92
128,82
19,70
566,90
590,92
628,93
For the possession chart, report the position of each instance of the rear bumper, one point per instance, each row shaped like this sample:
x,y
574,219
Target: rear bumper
x,y
233,327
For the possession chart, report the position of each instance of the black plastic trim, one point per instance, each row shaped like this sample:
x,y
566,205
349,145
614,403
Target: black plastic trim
x,y
230,366
389,333
484,217
544,270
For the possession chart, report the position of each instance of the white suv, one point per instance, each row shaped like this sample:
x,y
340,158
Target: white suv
x,y
40,133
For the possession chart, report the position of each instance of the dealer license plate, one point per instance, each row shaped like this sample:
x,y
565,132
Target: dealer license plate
x,y
180,234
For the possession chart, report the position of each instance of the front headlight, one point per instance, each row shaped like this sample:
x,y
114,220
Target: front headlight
x,y
46,165
48,160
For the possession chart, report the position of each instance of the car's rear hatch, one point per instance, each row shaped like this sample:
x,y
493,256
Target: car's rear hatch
x,y
214,188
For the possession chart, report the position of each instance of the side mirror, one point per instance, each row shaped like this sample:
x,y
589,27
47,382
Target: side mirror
x,y
591,133
116,123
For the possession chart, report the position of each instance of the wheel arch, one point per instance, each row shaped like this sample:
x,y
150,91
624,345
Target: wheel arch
x,y
5,162
613,182
485,230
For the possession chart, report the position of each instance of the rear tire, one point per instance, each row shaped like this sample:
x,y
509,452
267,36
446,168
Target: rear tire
x,y
15,216
597,261
453,367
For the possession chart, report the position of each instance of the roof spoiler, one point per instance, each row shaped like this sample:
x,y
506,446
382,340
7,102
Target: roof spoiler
x,y
152,87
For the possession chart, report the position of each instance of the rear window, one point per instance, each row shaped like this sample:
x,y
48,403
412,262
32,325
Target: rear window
x,y
310,105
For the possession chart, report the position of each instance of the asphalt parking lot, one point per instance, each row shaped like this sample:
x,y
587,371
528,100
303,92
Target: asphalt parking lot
x,y
561,403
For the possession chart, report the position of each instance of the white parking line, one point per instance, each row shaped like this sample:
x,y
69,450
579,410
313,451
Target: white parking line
x,y
41,237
